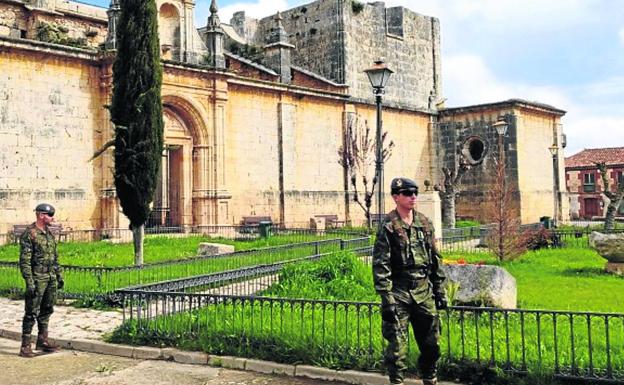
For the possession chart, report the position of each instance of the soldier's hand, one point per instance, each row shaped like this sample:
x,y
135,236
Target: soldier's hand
x,y
389,313
441,303
30,289
60,284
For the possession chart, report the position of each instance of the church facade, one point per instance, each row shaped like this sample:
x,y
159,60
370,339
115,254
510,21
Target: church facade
x,y
255,113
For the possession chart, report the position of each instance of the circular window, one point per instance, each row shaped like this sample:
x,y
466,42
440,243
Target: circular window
x,y
474,150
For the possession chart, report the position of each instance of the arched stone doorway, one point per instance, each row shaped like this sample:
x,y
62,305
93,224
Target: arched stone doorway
x,y
172,206
185,198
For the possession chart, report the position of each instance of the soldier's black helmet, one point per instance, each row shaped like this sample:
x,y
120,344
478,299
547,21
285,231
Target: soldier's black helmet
x,y
45,208
399,184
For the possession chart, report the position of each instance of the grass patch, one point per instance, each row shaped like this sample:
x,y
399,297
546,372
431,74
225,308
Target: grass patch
x,y
156,249
567,279
466,223
340,277
346,335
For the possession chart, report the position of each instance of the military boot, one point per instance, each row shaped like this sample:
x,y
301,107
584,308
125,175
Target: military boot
x,y
25,349
44,344
430,381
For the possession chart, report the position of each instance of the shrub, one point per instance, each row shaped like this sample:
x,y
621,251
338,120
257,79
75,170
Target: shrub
x,y
338,277
541,238
57,34
357,6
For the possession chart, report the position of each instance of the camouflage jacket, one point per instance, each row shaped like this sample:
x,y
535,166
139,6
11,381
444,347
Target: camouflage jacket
x,y
38,255
406,263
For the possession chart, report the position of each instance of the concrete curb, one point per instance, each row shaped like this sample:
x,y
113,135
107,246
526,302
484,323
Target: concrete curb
x,y
199,358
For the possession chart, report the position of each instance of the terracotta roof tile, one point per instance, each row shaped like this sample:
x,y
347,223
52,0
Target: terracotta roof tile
x,y
588,157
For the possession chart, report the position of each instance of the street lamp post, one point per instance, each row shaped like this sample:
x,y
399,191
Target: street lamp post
x,y
378,76
501,129
554,150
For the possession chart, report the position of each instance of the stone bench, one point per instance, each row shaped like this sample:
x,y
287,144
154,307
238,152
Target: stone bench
x,y
250,224
331,220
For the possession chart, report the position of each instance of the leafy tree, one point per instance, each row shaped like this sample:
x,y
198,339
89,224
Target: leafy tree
x,y
615,197
136,112
357,157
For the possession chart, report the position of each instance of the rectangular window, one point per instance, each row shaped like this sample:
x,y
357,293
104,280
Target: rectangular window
x,y
589,182
620,178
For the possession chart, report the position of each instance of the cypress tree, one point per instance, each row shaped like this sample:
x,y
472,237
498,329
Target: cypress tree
x,y
136,112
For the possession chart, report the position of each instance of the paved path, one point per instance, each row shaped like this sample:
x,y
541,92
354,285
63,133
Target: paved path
x,y
67,322
79,368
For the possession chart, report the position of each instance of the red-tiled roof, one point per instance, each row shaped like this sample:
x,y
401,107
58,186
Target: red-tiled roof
x,y
589,157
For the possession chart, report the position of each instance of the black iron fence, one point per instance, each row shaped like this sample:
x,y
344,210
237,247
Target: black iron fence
x,y
588,346
214,231
102,281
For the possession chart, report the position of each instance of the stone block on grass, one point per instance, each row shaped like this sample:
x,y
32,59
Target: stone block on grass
x,y
483,285
214,249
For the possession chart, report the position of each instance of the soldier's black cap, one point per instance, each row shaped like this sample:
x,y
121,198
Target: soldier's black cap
x,y
45,208
399,184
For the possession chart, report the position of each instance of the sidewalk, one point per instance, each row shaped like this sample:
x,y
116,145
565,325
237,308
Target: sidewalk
x,y
87,360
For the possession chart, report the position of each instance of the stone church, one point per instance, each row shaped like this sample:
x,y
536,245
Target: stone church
x,y
255,113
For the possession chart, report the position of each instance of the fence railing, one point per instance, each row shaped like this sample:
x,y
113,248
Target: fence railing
x,y
102,281
235,232
578,345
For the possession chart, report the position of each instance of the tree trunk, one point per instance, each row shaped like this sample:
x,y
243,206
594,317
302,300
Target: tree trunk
x,y
609,223
138,234
448,209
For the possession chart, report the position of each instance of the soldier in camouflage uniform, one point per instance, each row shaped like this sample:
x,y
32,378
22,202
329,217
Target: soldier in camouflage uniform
x,y
43,276
408,277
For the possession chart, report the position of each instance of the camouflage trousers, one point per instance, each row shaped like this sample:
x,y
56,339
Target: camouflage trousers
x,y
39,306
426,327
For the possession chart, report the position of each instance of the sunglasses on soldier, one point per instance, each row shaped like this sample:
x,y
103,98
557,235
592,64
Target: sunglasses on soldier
x,y
409,192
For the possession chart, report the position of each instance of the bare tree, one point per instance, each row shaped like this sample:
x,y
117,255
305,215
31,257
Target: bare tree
x,y
615,198
448,191
504,236
357,157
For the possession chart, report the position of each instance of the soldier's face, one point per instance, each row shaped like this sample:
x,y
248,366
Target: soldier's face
x,y
46,218
405,201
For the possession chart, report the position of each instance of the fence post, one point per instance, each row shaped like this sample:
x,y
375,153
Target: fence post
x,y
317,248
342,244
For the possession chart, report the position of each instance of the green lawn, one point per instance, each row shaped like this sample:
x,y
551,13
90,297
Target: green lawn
x,y
157,249
347,335
560,279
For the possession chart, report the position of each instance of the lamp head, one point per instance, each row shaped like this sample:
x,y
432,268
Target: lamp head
x,y
379,74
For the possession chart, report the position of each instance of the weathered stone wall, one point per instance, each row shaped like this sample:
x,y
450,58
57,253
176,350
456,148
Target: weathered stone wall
x,y
50,114
13,22
454,131
410,44
317,32
83,24
338,43
529,164
17,21
308,130
536,133
251,155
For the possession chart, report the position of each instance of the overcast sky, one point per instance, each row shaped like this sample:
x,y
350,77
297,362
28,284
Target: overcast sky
x,y
566,53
